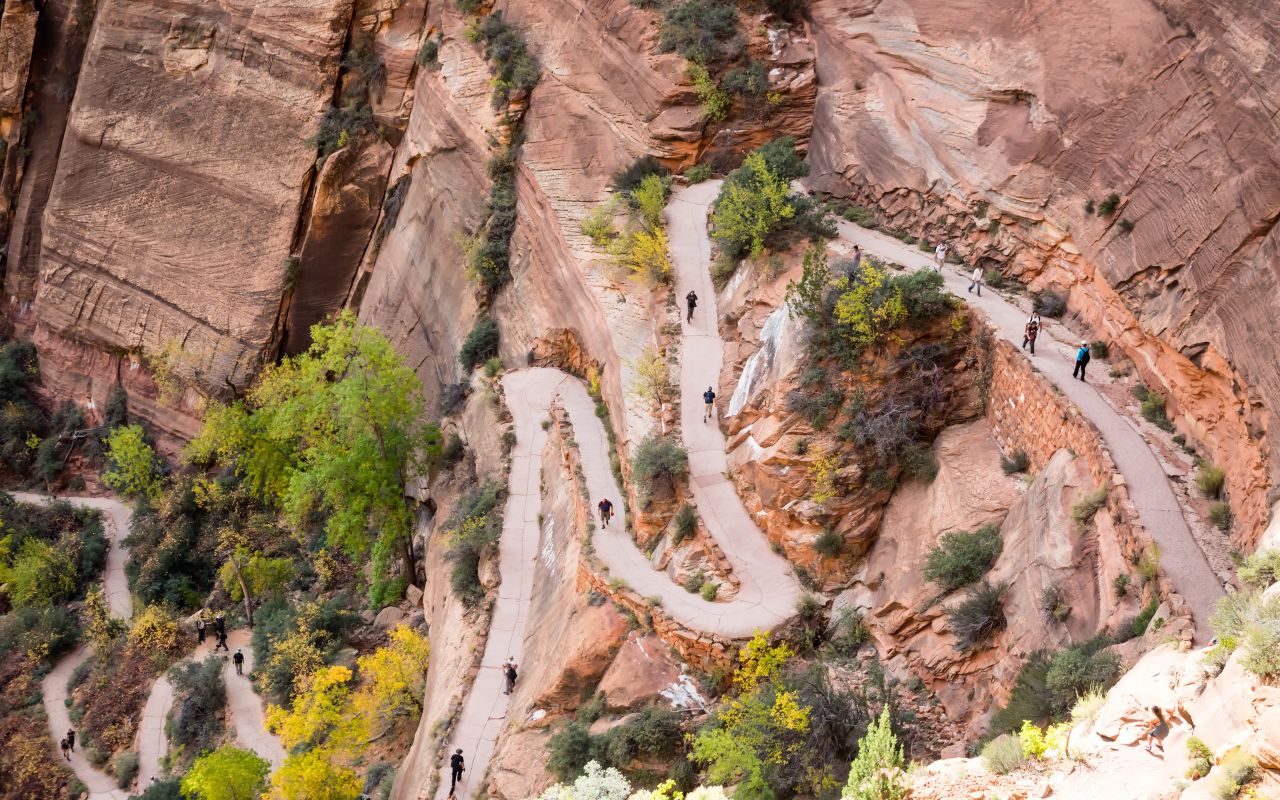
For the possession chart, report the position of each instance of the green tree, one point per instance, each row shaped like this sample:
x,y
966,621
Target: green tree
x,y
757,732
650,199
133,464
877,771
750,208
807,298
251,577
335,430
227,773
39,576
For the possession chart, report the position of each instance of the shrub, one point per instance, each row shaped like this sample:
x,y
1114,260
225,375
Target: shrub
x,y
1139,624
822,476
1121,584
1002,754
630,178
698,173
1151,406
709,591
860,216
703,31
1237,768
1149,562
481,343
650,200
686,522
429,53
474,526
1210,480
848,633
1262,643
492,367
979,616
1050,304
1029,698
163,789
339,125
1108,206
877,773
1098,349
961,558
750,207
598,225
134,470
125,768
715,101
1084,511
195,722
1126,226
1018,462
659,463
1075,670
693,583
1199,758
1052,605
646,255
1089,207
751,81
1220,515
1088,705
1260,569
829,544
514,68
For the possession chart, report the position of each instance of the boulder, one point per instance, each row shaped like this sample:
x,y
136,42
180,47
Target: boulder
x,y
413,596
388,618
642,669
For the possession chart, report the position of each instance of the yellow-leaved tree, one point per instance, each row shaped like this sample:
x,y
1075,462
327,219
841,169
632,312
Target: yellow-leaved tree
x,y
869,305
394,677
324,732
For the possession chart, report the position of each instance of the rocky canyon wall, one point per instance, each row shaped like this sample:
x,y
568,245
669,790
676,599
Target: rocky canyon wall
x,y
1005,126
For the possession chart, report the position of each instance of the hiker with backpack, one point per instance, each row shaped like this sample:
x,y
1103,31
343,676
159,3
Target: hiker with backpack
x,y
1082,361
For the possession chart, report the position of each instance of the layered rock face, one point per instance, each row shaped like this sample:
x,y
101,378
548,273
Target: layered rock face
x,y
993,125
181,178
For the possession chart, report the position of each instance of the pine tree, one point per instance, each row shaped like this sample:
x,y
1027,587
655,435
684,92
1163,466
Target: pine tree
x,y
877,772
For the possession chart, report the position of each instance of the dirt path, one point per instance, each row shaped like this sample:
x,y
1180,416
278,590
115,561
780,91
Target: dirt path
x,y
1158,509
244,705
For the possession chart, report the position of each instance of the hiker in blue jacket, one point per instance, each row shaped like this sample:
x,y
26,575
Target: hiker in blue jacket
x,y
1082,361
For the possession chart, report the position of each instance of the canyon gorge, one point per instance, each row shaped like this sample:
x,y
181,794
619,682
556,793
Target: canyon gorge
x,y
914,511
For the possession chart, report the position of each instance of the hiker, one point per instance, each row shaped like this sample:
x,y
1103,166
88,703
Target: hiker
x,y
691,299
456,766
1082,361
220,624
65,749
71,739
1158,731
709,399
857,257
940,254
509,670
976,283
238,660
201,630
606,511
1030,332
222,642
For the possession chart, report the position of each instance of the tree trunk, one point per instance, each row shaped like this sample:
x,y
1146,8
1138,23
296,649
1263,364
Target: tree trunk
x,y
407,564
244,591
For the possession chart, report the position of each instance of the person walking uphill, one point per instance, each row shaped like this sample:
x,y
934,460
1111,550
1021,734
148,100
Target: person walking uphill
x,y
509,670
1030,332
456,766
1082,361
709,399
691,300
201,630
606,511
238,660
71,739
940,254
976,283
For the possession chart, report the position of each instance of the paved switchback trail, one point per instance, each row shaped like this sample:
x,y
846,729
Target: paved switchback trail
x,y
243,704
1158,509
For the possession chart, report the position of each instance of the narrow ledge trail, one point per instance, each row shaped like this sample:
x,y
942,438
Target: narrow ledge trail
x,y
243,704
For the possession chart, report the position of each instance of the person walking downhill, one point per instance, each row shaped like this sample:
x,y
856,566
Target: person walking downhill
x,y
456,767
1158,731
201,630
220,624
606,511
691,300
222,642
238,660
857,257
71,739
1030,332
940,255
66,749
509,670
1082,361
976,283
709,401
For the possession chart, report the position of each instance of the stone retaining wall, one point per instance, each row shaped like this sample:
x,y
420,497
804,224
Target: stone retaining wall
x,y
1027,412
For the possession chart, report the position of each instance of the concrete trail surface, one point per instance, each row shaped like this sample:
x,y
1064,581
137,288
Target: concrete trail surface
x,y
244,705
766,597
1158,510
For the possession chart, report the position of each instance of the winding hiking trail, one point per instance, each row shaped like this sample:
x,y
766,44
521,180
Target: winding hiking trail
x,y
768,591
243,704
1158,509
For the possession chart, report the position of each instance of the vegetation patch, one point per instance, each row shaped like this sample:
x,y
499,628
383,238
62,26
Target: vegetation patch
x,y
961,558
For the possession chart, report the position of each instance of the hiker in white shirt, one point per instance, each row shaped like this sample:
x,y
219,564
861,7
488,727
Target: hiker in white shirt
x,y
940,254
977,281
